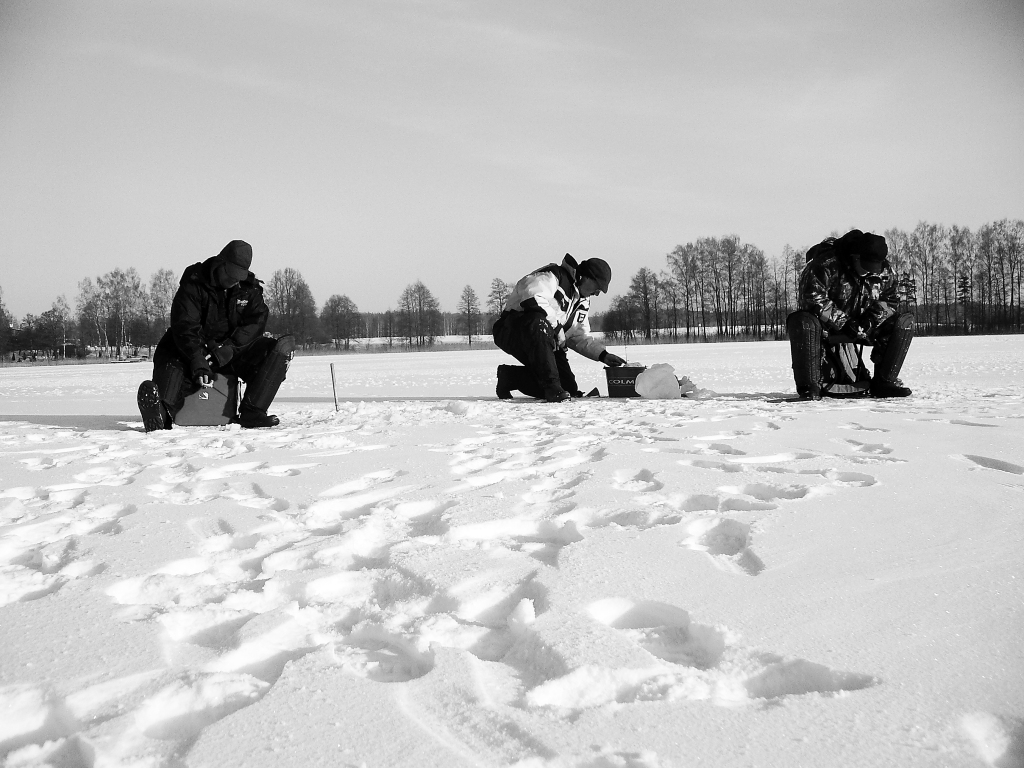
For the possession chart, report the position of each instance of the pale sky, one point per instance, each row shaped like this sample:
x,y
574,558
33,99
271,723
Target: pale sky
x,y
373,143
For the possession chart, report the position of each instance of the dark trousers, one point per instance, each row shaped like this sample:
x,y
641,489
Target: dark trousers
x,y
889,341
172,373
527,337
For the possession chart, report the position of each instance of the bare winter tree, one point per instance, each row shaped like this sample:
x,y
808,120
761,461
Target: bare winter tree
x,y
497,297
340,320
5,328
163,284
469,311
291,304
93,313
123,294
419,315
643,291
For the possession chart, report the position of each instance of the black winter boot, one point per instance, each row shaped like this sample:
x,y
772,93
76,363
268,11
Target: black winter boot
x,y
261,391
154,414
557,396
882,388
504,388
250,418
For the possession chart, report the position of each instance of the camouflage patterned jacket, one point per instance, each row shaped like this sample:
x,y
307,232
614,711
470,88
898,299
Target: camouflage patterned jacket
x,y
832,292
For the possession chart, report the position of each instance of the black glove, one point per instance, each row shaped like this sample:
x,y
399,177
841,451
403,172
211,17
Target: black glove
x,y
612,361
202,376
222,355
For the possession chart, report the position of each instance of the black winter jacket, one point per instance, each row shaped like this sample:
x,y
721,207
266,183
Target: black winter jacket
x,y
205,316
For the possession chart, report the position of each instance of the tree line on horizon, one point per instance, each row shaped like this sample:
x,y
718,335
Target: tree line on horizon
x,y
955,281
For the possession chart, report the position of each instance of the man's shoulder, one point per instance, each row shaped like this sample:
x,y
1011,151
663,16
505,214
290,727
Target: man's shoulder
x,y
827,261
191,277
559,275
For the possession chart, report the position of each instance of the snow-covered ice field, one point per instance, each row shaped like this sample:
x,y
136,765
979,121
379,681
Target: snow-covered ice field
x,y
431,577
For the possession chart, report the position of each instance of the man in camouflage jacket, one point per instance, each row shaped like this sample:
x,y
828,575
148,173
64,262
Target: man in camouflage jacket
x,y
849,293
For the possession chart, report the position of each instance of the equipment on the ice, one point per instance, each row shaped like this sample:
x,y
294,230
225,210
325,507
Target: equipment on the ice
x,y
622,380
658,382
212,406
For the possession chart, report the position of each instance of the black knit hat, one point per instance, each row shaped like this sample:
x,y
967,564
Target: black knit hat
x,y
871,249
596,269
237,256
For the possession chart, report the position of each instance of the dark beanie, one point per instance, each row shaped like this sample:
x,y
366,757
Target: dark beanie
x,y
871,248
873,251
237,256
596,269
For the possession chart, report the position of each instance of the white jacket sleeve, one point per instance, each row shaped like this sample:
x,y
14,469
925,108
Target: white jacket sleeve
x,y
578,337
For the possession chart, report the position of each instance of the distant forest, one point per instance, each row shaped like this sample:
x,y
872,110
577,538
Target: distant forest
x,y
714,289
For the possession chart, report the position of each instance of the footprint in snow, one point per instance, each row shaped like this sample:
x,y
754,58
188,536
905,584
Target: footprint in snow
x,y
876,449
183,709
861,428
768,492
636,482
364,483
997,464
740,463
687,661
726,542
29,502
110,475
38,558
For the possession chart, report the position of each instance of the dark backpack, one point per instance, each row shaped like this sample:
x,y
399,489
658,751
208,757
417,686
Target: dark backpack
x,y
843,373
820,249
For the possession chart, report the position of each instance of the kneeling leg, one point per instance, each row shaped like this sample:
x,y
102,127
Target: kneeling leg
x,y
892,342
262,367
805,347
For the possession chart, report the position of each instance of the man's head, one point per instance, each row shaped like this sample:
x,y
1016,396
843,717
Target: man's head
x,y
865,252
235,258
593,277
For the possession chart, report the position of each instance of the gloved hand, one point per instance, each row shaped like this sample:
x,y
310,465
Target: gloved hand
x,y
201,374
854,331
222,355
614,361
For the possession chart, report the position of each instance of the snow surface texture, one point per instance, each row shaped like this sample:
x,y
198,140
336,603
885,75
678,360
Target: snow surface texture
x,y
432,577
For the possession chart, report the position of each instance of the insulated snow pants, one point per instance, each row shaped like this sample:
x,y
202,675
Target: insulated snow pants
x,y
527,337
890,342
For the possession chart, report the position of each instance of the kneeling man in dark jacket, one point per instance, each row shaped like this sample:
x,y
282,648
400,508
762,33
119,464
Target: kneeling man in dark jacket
x,y
217,321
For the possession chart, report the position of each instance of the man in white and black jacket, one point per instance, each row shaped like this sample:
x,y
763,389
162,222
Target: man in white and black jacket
x,y
545,314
